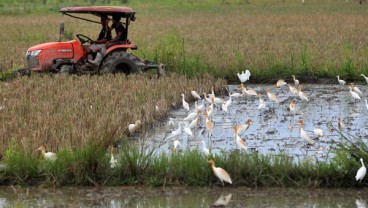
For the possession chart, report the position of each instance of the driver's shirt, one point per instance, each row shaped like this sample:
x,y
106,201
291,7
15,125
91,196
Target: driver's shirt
x,y
103,34
121,28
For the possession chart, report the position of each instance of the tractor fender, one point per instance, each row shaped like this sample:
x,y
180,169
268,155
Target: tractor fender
x,y
123,47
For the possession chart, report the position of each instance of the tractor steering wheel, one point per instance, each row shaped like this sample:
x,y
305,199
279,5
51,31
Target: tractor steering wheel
x,y
83,39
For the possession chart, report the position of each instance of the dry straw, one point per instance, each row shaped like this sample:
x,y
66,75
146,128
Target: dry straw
x,y
68,111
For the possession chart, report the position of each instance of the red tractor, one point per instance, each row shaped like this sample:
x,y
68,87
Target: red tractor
x,y
72,57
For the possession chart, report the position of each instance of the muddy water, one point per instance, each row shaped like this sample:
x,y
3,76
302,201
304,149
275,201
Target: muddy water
x,y
275,129
179,197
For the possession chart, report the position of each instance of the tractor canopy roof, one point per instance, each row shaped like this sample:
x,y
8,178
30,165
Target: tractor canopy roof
x,y
121,11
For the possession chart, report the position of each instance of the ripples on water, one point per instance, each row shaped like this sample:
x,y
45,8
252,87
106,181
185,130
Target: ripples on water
x,y
179,197
275,129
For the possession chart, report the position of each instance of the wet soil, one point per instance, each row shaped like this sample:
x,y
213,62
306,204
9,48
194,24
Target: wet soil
x,y
275,129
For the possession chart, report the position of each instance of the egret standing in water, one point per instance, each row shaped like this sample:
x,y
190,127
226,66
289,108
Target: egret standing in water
x,y
341,82
366,78
185,104
262,104
209,125
205,150
296,82
280,83
292,106
241,143
271,96
304,134
195,95
361,172
340,124
220,173
301,94
354,94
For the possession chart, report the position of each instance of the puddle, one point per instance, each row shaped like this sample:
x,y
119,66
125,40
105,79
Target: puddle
x,y
275,129
179,197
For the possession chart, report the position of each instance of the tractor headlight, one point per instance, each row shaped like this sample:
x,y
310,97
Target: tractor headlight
x,y
35,53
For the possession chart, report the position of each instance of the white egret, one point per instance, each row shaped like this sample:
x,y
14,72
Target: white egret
x,y
235,94
292,106
304,134
280,83
205,150
190,116
176,145
354,94
195,122
296,82
220,173
366,78
341,82
244,76
301,94
171,123
241,143
243,127
209,125
176,132
185,104
340,124
366,103
361,172
187,130
250,92
319,132
47,155
113,161
271,96
356,89
195,95
293,90
133,127
262,103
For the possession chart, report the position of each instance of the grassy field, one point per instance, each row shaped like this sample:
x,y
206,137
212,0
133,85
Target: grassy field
x,y
204,44
273,39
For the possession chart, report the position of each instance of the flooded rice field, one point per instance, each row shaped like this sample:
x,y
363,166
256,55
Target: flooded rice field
x,y
179,197
274,129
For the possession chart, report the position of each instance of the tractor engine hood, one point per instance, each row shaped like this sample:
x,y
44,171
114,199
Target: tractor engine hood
x,y
41,57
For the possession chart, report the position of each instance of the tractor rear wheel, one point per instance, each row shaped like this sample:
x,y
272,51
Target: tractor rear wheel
x,y
120,61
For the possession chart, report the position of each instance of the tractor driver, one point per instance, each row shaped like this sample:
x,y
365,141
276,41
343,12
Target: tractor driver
x,y
120,29
98,46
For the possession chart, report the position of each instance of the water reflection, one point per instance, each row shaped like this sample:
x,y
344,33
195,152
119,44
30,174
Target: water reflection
x,y
222,201
179,197
275,129
360,203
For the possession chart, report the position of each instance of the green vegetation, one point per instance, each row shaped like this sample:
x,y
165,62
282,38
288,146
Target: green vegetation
x,y
140,166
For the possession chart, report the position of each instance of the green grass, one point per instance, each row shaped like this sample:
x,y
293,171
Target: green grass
x,y
139,166
218,37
